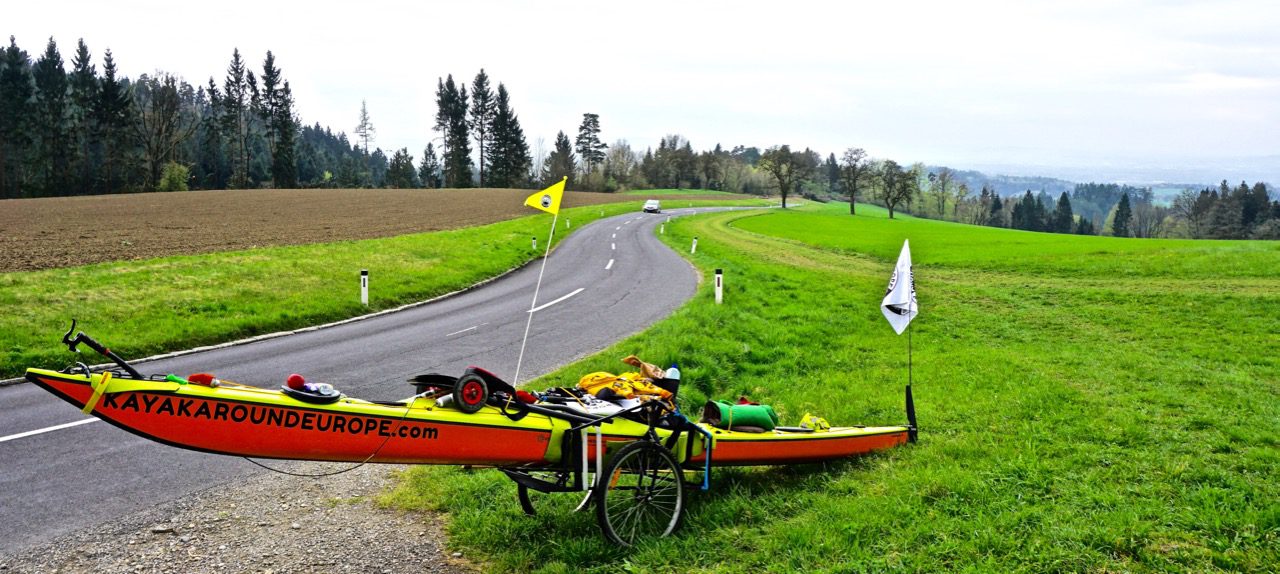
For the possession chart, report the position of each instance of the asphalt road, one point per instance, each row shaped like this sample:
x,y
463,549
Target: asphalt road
x,y
607,280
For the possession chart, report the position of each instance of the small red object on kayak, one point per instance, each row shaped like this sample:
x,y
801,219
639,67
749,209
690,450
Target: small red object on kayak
x,y
295,382
526,397
205,379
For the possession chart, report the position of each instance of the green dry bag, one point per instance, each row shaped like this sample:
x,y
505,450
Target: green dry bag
x,y
740,417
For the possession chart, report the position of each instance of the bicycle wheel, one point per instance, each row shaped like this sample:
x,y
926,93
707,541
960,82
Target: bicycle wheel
x,y
640,495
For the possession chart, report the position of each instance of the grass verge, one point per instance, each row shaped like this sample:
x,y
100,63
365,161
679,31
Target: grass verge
x,y
1083,407
142,308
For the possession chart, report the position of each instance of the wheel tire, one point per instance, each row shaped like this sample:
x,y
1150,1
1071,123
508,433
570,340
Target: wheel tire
x,y
640,495
470,393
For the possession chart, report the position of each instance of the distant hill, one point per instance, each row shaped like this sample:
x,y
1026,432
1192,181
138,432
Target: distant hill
x,y
1007,185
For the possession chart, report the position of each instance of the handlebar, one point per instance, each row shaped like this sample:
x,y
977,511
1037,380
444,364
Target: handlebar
x,y
73,343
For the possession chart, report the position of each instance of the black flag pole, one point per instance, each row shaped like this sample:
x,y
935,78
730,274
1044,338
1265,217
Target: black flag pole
x,y
912,431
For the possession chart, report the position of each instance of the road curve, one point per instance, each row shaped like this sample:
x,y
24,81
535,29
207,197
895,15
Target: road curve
x,y
606,281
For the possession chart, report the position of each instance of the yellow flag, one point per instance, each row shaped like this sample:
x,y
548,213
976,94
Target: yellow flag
x,y
548,199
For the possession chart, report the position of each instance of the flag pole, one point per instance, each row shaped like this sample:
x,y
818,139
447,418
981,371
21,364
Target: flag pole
x,y
534,303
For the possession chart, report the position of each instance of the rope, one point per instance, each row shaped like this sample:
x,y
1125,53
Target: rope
x,y
407,408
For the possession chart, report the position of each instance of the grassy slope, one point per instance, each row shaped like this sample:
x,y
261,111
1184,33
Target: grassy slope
x,y
145,307
1087,404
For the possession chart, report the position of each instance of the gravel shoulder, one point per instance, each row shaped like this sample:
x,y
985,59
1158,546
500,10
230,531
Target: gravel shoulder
x,y
269,522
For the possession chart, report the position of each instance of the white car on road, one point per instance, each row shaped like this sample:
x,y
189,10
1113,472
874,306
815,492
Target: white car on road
x,y
652,206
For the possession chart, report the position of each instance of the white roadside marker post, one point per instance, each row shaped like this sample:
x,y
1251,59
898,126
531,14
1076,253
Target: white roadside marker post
x,y
566,223
364,287
719,286
663,230
694,249
535,243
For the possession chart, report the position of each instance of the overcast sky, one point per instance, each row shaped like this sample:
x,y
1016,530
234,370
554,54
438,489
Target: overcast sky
x,y
958,83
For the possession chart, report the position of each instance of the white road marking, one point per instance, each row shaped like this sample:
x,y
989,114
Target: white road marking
x,y
613,246
471,328
617,228
606,267
47,429
615,236
545,305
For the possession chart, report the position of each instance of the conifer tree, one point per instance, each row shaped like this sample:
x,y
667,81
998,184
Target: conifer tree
x,y
1063,219
15,93
284,162
52,155
113,118
401,174
365,130
83,96
482,119
590,148
1124,215
560,163
451,121
238,91
429,171
510,156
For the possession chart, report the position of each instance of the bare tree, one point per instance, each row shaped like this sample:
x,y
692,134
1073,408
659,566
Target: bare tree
x,y
163,121
1190,207
855,168
1148,219
940,188
897,186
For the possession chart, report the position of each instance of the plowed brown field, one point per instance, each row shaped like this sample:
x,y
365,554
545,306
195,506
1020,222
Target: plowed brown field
x,y
68,231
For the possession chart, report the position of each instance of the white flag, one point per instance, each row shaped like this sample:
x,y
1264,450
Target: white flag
x,y
899,305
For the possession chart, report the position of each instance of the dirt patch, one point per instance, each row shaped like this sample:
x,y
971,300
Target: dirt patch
x,y
69,231
265,523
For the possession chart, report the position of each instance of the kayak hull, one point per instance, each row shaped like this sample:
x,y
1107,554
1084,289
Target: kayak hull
x,y
253,422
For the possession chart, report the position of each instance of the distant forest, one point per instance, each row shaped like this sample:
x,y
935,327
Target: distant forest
x,y
82,131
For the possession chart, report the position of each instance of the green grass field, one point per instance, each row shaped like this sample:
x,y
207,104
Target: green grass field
x,y
659,193
140,308
1086,404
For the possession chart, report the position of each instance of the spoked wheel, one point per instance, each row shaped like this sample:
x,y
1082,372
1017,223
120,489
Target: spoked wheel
x,y
640,495
470,393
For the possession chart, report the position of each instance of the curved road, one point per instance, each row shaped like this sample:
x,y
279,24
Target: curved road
x,y
606,281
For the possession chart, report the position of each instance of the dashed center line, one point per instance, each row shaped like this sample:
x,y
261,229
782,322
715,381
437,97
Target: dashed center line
x,y
609,266
613,246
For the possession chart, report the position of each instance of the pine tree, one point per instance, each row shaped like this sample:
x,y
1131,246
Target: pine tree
x,y
238,95
510,156
84,95
560,163
833,174
52,155
1124,216
590,148
429,171
365,130
401,174
15,93
996,217
451,120
482,119
113,118
1063,219
284,163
